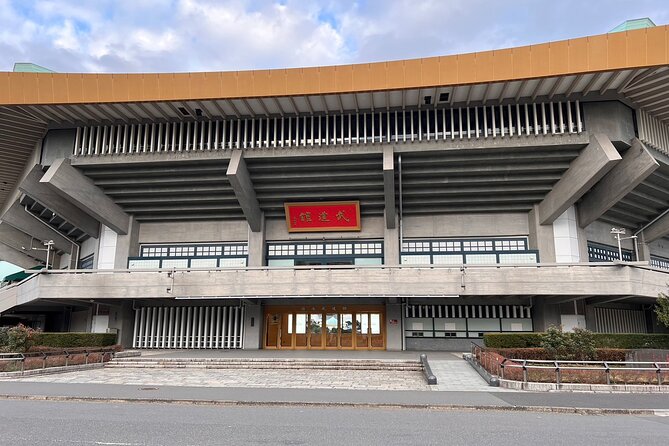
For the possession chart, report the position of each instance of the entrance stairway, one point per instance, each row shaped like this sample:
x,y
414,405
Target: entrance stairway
x,y
266,363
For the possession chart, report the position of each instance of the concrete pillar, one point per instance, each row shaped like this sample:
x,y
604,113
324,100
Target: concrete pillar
x,y
253,326
122,318
391,245
257,244
127,245
566,237
107,248
393,325
541,237
643,249
590,317
545,314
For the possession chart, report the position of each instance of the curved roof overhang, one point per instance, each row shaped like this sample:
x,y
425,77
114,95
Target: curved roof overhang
x,y
630,66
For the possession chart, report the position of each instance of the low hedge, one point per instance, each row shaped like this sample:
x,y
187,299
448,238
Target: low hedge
x,y
603,340
70,340
541,354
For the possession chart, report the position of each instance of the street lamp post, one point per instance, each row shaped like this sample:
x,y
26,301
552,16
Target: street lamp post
x,y
617,232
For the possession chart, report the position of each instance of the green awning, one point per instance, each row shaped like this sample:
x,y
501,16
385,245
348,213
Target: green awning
x,y
21,275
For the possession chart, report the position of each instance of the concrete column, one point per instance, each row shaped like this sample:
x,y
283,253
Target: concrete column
x,y
391,245
545,314
590,317
393,325
127,245
566,237
107,249
253,326
122,318
257,244
643,249
541,237
389,187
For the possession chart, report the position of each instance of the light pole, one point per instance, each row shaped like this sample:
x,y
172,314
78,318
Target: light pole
x,y
616,234
48,244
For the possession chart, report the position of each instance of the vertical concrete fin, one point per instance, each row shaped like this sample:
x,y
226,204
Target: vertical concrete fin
x,y
636,165
389,186
596,159
74,186
240,180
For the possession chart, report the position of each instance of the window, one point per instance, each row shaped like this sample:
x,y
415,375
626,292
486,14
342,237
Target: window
x,y
86,262
468,251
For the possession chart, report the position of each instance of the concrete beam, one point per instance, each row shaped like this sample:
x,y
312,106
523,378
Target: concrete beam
x,y
240,180
18,217
11,255
71,184
389,186
637,164
659,228
21,242
596,159
46,196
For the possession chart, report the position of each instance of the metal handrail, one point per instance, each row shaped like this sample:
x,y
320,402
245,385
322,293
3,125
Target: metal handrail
x,y
643,265
21,357
560,366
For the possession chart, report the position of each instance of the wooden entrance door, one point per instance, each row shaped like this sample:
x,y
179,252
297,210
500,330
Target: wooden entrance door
x,y
325,327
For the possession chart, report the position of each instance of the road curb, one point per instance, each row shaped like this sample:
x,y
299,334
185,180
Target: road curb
x,y
445,407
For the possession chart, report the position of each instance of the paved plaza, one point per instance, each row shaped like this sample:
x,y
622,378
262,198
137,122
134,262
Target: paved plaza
x,y
453,374
267,378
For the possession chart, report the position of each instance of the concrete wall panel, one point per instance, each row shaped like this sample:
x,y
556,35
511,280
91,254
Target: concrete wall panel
x,y
465,225
194,231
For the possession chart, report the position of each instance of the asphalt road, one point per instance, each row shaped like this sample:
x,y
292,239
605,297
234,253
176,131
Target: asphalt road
x,y
75,423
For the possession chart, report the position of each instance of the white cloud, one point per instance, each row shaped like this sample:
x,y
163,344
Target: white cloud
x,y
192,35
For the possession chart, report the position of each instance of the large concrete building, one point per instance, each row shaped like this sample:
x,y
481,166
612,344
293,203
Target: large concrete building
x,y
414,204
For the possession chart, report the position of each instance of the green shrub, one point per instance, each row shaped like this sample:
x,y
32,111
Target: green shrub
x,y
541,354
625,341
662,309
632,341
512,340
70,340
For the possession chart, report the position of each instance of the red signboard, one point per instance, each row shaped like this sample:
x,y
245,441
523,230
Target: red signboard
x,y
323,216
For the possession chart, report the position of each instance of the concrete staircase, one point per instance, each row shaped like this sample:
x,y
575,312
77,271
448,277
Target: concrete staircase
x,y
265,363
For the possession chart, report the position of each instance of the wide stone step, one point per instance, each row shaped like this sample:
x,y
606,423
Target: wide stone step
x,y
235,363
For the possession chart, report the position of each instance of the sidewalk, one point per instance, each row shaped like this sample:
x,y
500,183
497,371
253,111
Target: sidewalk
x,y
552,402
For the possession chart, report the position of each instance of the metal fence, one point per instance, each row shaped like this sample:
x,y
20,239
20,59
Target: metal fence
x,y
21,358
558,368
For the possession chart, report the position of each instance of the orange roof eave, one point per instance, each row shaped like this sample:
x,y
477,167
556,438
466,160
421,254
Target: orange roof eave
x,y
617,51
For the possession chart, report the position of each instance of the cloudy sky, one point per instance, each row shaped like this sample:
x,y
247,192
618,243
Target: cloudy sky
x,y
196,35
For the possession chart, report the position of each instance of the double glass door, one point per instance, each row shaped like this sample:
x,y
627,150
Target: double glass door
x,y
320,330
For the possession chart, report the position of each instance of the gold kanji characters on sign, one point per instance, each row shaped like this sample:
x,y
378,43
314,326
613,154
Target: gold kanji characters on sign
x,y
342,217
